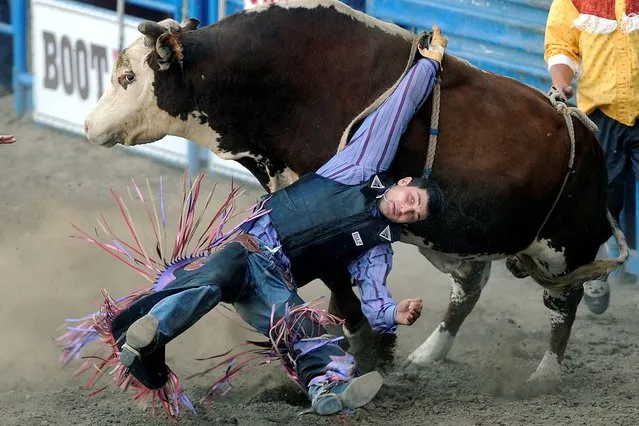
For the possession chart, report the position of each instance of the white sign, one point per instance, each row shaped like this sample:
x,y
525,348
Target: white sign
x,y
73,49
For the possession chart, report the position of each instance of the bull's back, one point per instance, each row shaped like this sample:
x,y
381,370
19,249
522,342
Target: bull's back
x,y
502,151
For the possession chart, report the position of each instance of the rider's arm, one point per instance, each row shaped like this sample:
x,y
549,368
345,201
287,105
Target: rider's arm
x,y
369,273
561,45
373,147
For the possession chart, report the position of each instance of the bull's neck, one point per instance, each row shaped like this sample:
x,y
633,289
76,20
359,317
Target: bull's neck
x,y
201,133
239,93
199,81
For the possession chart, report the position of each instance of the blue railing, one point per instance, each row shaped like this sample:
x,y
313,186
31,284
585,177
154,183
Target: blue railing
x,y
172,7
21,79
502,36
6,28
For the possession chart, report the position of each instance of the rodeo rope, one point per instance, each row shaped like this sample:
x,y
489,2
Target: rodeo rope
x,y
434,130
557,101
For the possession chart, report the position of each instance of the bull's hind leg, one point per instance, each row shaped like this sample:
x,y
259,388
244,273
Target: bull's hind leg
x,y
563,308
468,279
373,351
546,261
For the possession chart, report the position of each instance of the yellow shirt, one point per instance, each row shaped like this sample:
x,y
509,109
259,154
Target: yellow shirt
x,y
607,65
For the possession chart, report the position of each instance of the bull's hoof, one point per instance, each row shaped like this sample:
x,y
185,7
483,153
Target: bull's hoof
x,y
547,378
372,351
435,348
597,296
515,267
411,369
540,384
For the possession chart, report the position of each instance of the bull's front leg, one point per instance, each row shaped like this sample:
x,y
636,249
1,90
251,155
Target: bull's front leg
x,y
373,351
563,308
468,279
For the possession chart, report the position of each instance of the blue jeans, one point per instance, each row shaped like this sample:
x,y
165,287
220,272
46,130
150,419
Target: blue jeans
x,y
621,147
254,283
620,144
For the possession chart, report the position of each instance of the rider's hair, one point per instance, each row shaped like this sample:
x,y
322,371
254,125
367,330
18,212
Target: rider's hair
x,y
435,195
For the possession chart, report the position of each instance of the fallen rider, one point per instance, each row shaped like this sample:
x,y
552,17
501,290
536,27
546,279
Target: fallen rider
x,y
349,212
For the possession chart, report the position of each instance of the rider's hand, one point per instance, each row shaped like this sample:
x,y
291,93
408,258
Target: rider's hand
x,y
568,91
561,92
7,139
408,310
433,45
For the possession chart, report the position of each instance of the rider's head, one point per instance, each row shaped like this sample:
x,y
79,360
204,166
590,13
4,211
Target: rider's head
x,y
411,200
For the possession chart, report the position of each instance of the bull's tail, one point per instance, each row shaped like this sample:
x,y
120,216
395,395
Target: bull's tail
x,y
596,270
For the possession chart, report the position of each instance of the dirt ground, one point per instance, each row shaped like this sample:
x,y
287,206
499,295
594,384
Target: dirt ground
x,y
49,180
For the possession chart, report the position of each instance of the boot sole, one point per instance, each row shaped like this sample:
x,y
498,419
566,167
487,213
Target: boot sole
x,y
329,405
142,332
598,303
361,390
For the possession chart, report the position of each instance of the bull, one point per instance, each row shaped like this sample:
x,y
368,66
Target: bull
x,y
280,88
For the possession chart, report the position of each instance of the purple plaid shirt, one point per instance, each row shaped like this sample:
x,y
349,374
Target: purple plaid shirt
x,y
371,150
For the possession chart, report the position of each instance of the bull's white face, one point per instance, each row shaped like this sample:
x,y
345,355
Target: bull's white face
x,y
127,112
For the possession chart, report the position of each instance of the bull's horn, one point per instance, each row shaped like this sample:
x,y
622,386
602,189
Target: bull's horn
x,y
190,24
151,29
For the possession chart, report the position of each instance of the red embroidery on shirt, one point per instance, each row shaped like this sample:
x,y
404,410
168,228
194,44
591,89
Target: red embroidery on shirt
x,y
601,8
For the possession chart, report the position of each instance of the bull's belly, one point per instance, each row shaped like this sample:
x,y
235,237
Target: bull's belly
x,y
488,254
483,223
467,241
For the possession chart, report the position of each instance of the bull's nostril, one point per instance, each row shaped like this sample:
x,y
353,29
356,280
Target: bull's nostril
x,y
86,127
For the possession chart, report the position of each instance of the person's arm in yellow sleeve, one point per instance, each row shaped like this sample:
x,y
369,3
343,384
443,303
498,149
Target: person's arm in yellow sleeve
x,y
561,45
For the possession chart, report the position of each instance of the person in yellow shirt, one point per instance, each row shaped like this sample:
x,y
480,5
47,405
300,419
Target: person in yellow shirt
x,y
596,44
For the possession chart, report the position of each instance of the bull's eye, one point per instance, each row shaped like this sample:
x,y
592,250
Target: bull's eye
x,y
126,79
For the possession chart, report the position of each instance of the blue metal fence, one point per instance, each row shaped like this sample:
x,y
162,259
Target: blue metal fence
x,y
5,27
173,7
502,36
6,42
21,80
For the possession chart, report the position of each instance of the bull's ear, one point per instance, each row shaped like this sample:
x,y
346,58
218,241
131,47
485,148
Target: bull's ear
x,y
190,24
169,48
